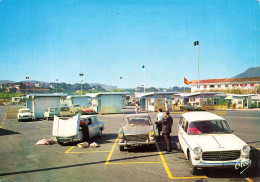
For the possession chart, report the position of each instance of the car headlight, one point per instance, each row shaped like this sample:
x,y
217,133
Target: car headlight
x,y
197,150
246,149
120,134
151,133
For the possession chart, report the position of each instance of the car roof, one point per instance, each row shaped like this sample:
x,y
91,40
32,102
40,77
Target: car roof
x,y
86,116
137,115
201,116
24,109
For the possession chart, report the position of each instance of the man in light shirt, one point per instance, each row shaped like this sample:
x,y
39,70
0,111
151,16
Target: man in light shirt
x,y
159,118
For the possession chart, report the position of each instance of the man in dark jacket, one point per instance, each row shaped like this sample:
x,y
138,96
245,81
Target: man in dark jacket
x,y
166,130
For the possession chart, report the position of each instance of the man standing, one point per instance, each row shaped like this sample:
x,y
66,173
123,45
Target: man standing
x,y
159,118
166,130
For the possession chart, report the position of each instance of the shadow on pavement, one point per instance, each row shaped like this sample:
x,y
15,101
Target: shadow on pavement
x,y
7,132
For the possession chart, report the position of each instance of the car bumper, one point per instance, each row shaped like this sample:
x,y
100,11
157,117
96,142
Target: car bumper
x,y
25,118
125,143
239,163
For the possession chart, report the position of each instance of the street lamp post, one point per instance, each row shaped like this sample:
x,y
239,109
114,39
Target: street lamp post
x,y
27,78
144,77
196,43
57,86
81,74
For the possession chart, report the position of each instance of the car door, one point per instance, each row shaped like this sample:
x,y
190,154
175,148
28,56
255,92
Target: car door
x,y
183,136
90,127
95,125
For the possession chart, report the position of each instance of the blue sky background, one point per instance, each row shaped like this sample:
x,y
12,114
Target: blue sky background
x,y
58,39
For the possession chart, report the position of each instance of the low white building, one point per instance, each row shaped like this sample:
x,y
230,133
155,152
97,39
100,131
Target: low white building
x,y
108,102
38,103
246,83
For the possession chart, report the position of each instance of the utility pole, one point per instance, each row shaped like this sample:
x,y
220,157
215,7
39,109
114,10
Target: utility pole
x,y
81,74
144,77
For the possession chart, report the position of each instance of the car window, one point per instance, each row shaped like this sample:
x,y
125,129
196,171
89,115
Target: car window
x,y
93,120
137,121
181,121
89,121
209,127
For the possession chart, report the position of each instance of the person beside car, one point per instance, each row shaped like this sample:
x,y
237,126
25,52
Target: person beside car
x,y
166,130
85,130
159,118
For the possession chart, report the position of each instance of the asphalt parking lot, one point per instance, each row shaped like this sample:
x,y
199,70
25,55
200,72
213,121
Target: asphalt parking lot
x,y
22,160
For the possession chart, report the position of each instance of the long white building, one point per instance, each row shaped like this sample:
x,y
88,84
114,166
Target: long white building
x,y
248,84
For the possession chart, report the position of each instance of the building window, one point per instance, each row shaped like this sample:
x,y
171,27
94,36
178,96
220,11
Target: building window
x,y
233,85
226,85
219,86
252,84
205,86
245,85
212,86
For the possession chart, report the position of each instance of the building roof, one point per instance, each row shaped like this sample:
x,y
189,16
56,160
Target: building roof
x,y
150,94
226,80
106,93
47,95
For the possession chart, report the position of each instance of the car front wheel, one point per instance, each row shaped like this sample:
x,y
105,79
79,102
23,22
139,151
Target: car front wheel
x,y
100,133
193,169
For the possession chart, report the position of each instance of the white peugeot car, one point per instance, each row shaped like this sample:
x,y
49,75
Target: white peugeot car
x,y
207,141
24,114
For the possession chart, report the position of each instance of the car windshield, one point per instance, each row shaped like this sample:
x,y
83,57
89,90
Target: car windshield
x,y
53,109
24,111
137,121
209,127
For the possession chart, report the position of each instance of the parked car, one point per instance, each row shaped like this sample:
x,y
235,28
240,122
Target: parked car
x,y
137,130
191,107
74,108
64,107
67,129
87,110
24,114
207,141
50,112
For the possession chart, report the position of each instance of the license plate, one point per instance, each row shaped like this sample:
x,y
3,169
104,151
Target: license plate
x,y
64,140
222,167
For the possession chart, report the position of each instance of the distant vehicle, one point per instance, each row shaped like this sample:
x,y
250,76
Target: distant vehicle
x,y
24,114
74,108
67,129
137,130
191,107
87,110
64,107
50,112
207,141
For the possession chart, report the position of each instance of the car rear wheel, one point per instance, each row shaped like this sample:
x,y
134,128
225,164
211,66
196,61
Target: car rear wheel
x,y
121,148
193,170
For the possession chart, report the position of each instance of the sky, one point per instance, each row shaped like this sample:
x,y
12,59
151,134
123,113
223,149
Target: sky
x,y
47,40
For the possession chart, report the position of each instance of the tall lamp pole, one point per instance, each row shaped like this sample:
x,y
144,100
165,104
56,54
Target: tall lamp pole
x,y
57,86
27,78
144,77
81,74
196,43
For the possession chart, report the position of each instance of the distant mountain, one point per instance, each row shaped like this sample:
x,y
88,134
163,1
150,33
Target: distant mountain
x,y
107,87
251,72
5,81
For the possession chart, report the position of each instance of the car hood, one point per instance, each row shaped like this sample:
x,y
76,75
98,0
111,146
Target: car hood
x,y
217,142
136,129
